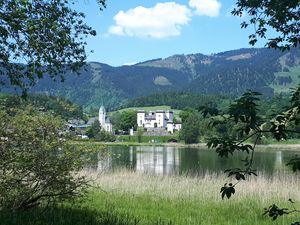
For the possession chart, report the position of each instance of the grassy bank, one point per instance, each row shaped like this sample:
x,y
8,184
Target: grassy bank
x,y
90,144
130,198
146,139
188,200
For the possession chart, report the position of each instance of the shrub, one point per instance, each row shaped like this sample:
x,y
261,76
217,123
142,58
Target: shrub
x,y
37,166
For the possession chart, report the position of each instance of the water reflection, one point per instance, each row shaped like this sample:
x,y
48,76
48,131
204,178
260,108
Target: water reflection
x,y
157,160
163,160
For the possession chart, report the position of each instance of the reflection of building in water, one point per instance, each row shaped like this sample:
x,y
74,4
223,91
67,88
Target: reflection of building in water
x,y
104,163
278,158
278,161
150,159
157,160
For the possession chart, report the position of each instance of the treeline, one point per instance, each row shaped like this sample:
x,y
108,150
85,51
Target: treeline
x,y
56,105
179,100
209,121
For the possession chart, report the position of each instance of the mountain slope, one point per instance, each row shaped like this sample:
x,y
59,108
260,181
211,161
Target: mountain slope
x,y
230,72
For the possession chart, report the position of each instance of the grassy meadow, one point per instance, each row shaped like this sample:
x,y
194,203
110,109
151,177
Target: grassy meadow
x,y
293,73
129,198
151,108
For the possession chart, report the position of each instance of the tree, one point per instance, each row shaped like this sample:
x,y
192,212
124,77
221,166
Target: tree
x,y
94,130
186,113
37,166
244,111
105,136
99,134
282,16
38,38
190,129
124,120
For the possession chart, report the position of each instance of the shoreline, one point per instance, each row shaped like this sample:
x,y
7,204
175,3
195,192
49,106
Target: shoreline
x,y
182,145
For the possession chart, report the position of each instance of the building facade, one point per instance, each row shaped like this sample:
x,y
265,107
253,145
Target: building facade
x,y
104,120
157,119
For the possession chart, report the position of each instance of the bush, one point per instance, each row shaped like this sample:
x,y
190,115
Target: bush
x,y
37,166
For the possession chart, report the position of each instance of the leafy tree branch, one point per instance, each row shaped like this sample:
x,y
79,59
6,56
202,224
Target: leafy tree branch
x,y
244,111
282,16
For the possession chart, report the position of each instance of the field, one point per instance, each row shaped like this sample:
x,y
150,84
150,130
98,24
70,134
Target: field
x,y
152,108
294,74
125,197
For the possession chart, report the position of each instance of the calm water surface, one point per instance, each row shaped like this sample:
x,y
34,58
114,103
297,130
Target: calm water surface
x,y
166,160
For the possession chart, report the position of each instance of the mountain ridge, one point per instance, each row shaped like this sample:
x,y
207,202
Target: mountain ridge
x,y
229,72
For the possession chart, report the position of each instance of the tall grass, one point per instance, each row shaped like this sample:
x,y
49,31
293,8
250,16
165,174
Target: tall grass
x,y
66,215
193,200
131,198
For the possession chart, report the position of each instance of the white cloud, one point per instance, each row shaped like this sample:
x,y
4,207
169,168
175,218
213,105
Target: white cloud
x,y
161,21
206,7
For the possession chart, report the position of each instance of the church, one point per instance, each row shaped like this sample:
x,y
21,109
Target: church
x,y
104,120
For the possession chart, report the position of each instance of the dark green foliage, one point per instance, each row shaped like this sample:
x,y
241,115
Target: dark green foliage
x,y
282,16
124,120
240,174
244,110
274,211
93,130
190,127
226,146
294,163
186,113
227,190
56,105
47,35
209,110
177,100
105,136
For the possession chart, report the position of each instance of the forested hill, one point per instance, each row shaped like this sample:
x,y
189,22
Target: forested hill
x,y
230,72
180,100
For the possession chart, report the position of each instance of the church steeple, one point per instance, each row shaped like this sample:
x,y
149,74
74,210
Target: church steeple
x,y
103,120
102,115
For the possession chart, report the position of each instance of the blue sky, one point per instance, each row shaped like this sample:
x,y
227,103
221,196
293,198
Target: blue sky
x,y
134,31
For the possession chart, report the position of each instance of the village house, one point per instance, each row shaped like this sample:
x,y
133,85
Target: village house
x,y
157,119
102,118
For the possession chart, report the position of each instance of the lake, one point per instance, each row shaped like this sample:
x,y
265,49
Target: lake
x,y
171,160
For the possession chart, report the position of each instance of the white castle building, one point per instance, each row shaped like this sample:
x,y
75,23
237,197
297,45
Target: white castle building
x,y
104,120
157,119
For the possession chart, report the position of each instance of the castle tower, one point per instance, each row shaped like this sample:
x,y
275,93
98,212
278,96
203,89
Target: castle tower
x,y
141,118
160,118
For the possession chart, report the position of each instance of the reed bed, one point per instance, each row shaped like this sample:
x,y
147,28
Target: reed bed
x,y
193,199
278,187
125,197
